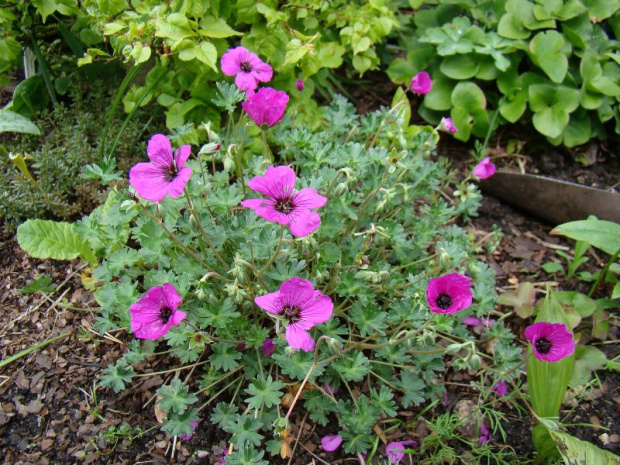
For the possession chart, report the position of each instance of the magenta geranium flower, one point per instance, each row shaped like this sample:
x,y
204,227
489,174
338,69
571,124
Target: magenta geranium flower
x,y
449,293
447,125
267,106
500,388
331,443
301,306
268,347
247,68
485,434
284,205
485,169
395,451
156,312
551,342
421,83
165,174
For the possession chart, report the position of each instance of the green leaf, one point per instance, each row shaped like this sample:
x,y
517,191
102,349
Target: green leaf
x,y
175,397
550,121
180,423
204,52
459,66
216,28
576,451
45,7
225,356
353,368
117,376
599,10
587,360
413,389
615,294
548,381
14,122
513,109
295,51
604,235
41,284
175,26
264,393
439,98
245,430
547,50
52,239
469,96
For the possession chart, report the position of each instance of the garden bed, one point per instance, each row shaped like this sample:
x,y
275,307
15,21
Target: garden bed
x,y
49,414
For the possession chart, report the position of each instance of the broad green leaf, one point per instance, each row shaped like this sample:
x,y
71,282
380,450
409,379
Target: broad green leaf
x,y
513,109
51,239
45,7
295,51
216,28
512,28
576,451
400,71
439,98
14,122
579,129
604,235
615,294
459,66
550,121
547,381
587,360
546,48
469,96
544,445
176,27
599,10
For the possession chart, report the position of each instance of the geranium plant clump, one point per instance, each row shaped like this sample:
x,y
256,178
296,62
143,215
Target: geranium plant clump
x,y
323,275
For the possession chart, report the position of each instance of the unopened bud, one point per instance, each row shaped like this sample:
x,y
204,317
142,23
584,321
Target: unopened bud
x,y
453,349
475,361
211,147
299,85
335,346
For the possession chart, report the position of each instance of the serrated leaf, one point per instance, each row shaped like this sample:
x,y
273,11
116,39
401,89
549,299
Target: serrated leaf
x,y
216,28
264,393
117,376
175,397
53,239
225,356
353,368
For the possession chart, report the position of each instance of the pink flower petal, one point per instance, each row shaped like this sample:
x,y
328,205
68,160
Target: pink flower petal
x,y
318,310
159,150
246,81
296,292
271,302
177,185
152,316
299,338
267,106
485,169
277,182
421,83
148,181
262,71
309,198
395,451
182,154
302,223
331,443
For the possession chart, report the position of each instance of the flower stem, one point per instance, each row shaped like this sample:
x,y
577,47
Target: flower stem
x,y
215,383
275,255
268,154
176,240
203,232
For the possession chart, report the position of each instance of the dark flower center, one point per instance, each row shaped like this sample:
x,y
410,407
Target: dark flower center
x,y
284,205
171,173
165,314
543,345
245,67
291,313
444,301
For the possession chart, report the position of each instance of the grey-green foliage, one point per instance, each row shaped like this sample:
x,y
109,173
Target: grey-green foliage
x,y
385,231
70,140
551,63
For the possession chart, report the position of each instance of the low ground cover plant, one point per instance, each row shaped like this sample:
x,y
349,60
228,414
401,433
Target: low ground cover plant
x,y
296,271
551,63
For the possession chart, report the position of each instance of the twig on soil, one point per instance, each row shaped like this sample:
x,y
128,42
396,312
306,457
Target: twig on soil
x,y
25,352
301,428
314,455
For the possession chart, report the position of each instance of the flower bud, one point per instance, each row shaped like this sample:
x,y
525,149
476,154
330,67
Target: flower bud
x,y
453,349
475,361
299,85
335,346
210,148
